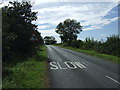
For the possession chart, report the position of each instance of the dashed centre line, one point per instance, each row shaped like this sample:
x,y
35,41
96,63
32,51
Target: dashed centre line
x,y
112,79
59,59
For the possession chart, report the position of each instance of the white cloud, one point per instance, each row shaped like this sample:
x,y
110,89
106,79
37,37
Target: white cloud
x,y
103,35
3,3
37,2
89,14
86,12
92,28
99,24
48,32
42,27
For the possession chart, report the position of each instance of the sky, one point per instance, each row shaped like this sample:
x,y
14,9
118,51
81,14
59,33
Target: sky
x,y
99,19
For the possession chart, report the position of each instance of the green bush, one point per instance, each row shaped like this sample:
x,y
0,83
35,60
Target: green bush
x,y
89,43
17,29
110,46
76,44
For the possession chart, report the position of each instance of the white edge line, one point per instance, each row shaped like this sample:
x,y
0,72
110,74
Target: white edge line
x,y
59,59
112,79
48,56
65,55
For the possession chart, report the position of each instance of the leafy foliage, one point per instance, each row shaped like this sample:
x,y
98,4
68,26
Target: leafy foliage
x,y
23,59
68,30
110,46
77,43
17,30
29,74
49,40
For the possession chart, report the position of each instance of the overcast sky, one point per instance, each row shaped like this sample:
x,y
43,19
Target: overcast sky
x,y
99,19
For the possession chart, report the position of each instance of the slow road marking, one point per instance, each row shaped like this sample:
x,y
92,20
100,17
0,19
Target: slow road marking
x,y
49,48
66,65
84,63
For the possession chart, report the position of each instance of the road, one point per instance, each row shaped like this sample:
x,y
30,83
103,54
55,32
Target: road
x,y
70,69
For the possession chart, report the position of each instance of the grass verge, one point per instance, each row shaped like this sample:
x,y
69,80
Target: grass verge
x,y
114,59
32,73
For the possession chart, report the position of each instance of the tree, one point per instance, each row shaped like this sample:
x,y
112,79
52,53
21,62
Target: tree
x,y
68,30
17,28
112,45
49,40
77,44
40,39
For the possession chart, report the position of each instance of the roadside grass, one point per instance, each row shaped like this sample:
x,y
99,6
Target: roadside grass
x,y
32,73
112,58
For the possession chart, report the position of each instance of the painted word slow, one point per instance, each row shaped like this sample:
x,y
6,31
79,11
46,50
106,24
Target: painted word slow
x,y
66,65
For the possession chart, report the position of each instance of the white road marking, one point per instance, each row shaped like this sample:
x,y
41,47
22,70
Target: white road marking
x,y
75,65
49,48
70,66
81,65
53,65
59,59
60,66
84,63
65,55
112,79
48,56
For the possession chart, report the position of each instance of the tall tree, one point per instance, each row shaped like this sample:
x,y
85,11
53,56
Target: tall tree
x,y
17,29
68,30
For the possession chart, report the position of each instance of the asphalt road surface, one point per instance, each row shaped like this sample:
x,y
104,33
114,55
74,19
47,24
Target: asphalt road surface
x,y
70,69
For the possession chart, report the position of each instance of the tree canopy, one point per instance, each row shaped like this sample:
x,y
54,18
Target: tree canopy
x,y
17,28
68,30
49,40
